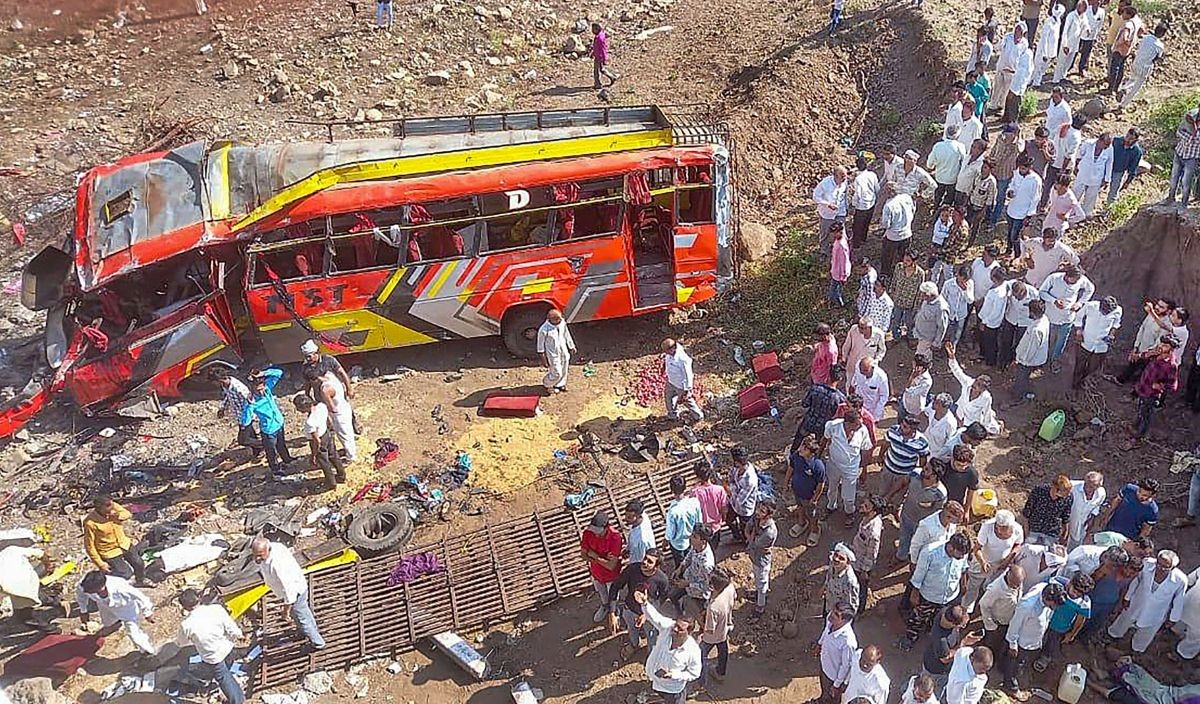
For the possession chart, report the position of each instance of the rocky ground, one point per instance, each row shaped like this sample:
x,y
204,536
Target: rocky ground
x,y
82,91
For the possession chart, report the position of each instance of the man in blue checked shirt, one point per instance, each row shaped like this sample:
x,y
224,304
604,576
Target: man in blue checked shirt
x,y
263,406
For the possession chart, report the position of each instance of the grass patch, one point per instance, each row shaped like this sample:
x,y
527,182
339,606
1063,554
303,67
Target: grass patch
x,y
890,118
1029,105
1153,8
928,131
781,299
1124,208
1161,121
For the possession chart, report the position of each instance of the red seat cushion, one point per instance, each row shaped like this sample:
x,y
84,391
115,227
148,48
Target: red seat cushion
x,y
753,402
766,367
510,406
56,656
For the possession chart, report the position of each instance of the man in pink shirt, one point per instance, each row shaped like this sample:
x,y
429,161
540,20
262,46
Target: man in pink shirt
x,y
825,354
713,501
599,54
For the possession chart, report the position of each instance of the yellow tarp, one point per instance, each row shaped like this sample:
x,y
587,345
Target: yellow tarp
x,y
243,600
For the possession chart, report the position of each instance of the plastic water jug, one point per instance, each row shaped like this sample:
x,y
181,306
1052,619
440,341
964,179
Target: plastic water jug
x,y
985,503
1052,426
1071,684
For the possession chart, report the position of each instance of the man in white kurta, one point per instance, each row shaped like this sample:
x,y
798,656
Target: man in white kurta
x,y
119,603
1087,497
674,659
1189,619
341,414
867,678
19,580
1154,597
555,344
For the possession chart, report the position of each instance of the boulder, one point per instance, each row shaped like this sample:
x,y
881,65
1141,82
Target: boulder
x,y
1094,108
574,45
281,94
580,26
437,78
374,114
231,70
505,13
35,690
755,241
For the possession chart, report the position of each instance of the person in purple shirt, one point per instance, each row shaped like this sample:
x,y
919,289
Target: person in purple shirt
x,y
599,54
1127,156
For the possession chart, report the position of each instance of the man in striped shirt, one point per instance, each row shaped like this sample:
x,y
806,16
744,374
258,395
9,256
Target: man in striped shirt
x,y
903,453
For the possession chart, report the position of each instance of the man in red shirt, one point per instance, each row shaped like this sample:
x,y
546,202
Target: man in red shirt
x,y
1160,376
601,547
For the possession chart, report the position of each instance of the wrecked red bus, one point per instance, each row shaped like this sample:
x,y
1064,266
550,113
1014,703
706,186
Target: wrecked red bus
x,y
469,226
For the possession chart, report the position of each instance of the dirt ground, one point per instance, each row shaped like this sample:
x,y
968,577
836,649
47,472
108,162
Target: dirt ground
x,y
82,92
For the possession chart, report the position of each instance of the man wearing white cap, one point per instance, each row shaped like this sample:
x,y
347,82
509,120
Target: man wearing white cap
x,y
1154,597
994,549
325,363
931,320
555,344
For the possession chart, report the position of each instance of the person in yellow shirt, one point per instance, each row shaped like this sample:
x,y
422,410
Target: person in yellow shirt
x,y
107,545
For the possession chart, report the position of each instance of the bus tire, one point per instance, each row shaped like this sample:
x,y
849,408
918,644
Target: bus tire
x,y
380,528
520,327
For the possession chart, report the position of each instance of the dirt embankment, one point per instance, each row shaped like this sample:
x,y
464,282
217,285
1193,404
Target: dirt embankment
x,y
1157,253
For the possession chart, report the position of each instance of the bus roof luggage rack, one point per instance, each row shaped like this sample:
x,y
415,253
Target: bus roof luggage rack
x,y
693,125
635,118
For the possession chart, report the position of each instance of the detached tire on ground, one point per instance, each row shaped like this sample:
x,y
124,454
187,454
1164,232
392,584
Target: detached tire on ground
x,y
520,328
380,528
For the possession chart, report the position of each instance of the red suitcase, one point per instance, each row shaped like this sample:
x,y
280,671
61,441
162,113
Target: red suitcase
x,y
766,367
753,402
510,406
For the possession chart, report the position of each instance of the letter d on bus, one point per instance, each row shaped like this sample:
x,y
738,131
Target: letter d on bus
x,y
517,199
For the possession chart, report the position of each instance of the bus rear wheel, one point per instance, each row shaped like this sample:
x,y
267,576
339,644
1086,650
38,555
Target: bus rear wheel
x,y
520,328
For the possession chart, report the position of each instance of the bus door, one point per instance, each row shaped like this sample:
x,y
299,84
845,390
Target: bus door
x,y
694,244
652,225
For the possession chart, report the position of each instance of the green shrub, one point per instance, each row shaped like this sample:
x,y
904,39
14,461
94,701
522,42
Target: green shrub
x,y
1124,208
928,131
1165,117
889,119
1029,105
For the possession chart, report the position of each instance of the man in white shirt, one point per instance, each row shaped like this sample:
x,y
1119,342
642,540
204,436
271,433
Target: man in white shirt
x,y
285,578
641,534
1154,597
1091,32
959,293
920,690
862,340
1095,170
880,306
1022,74
1012,49
935,528
1039,562
1023,192
1058,112
674,660
1066,149
1095,328
969,174
847,441
1032,351
912,401
322,454
1087,497
1046,255
836,649
896,220
891,167
1047,48
912,179
971,128
974,403
680,380
1189,619
1065,293
120,604
330,391
1000,598
1145,344
867,678
1062,206
1149,52
1027,630
864,192
969,674
1072,32
208,628
555,344
945,161
1016,319
872,384
991,314
830,199
996,546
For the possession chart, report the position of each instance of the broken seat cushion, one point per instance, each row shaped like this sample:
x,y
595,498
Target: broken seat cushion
x,y
753,402
510,406
766,367
56,656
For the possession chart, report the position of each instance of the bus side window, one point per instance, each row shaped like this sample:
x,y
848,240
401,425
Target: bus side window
x,y
696,198
290,263
519,230
362,240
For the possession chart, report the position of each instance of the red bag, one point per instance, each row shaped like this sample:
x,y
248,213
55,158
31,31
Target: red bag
x,y
509,406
